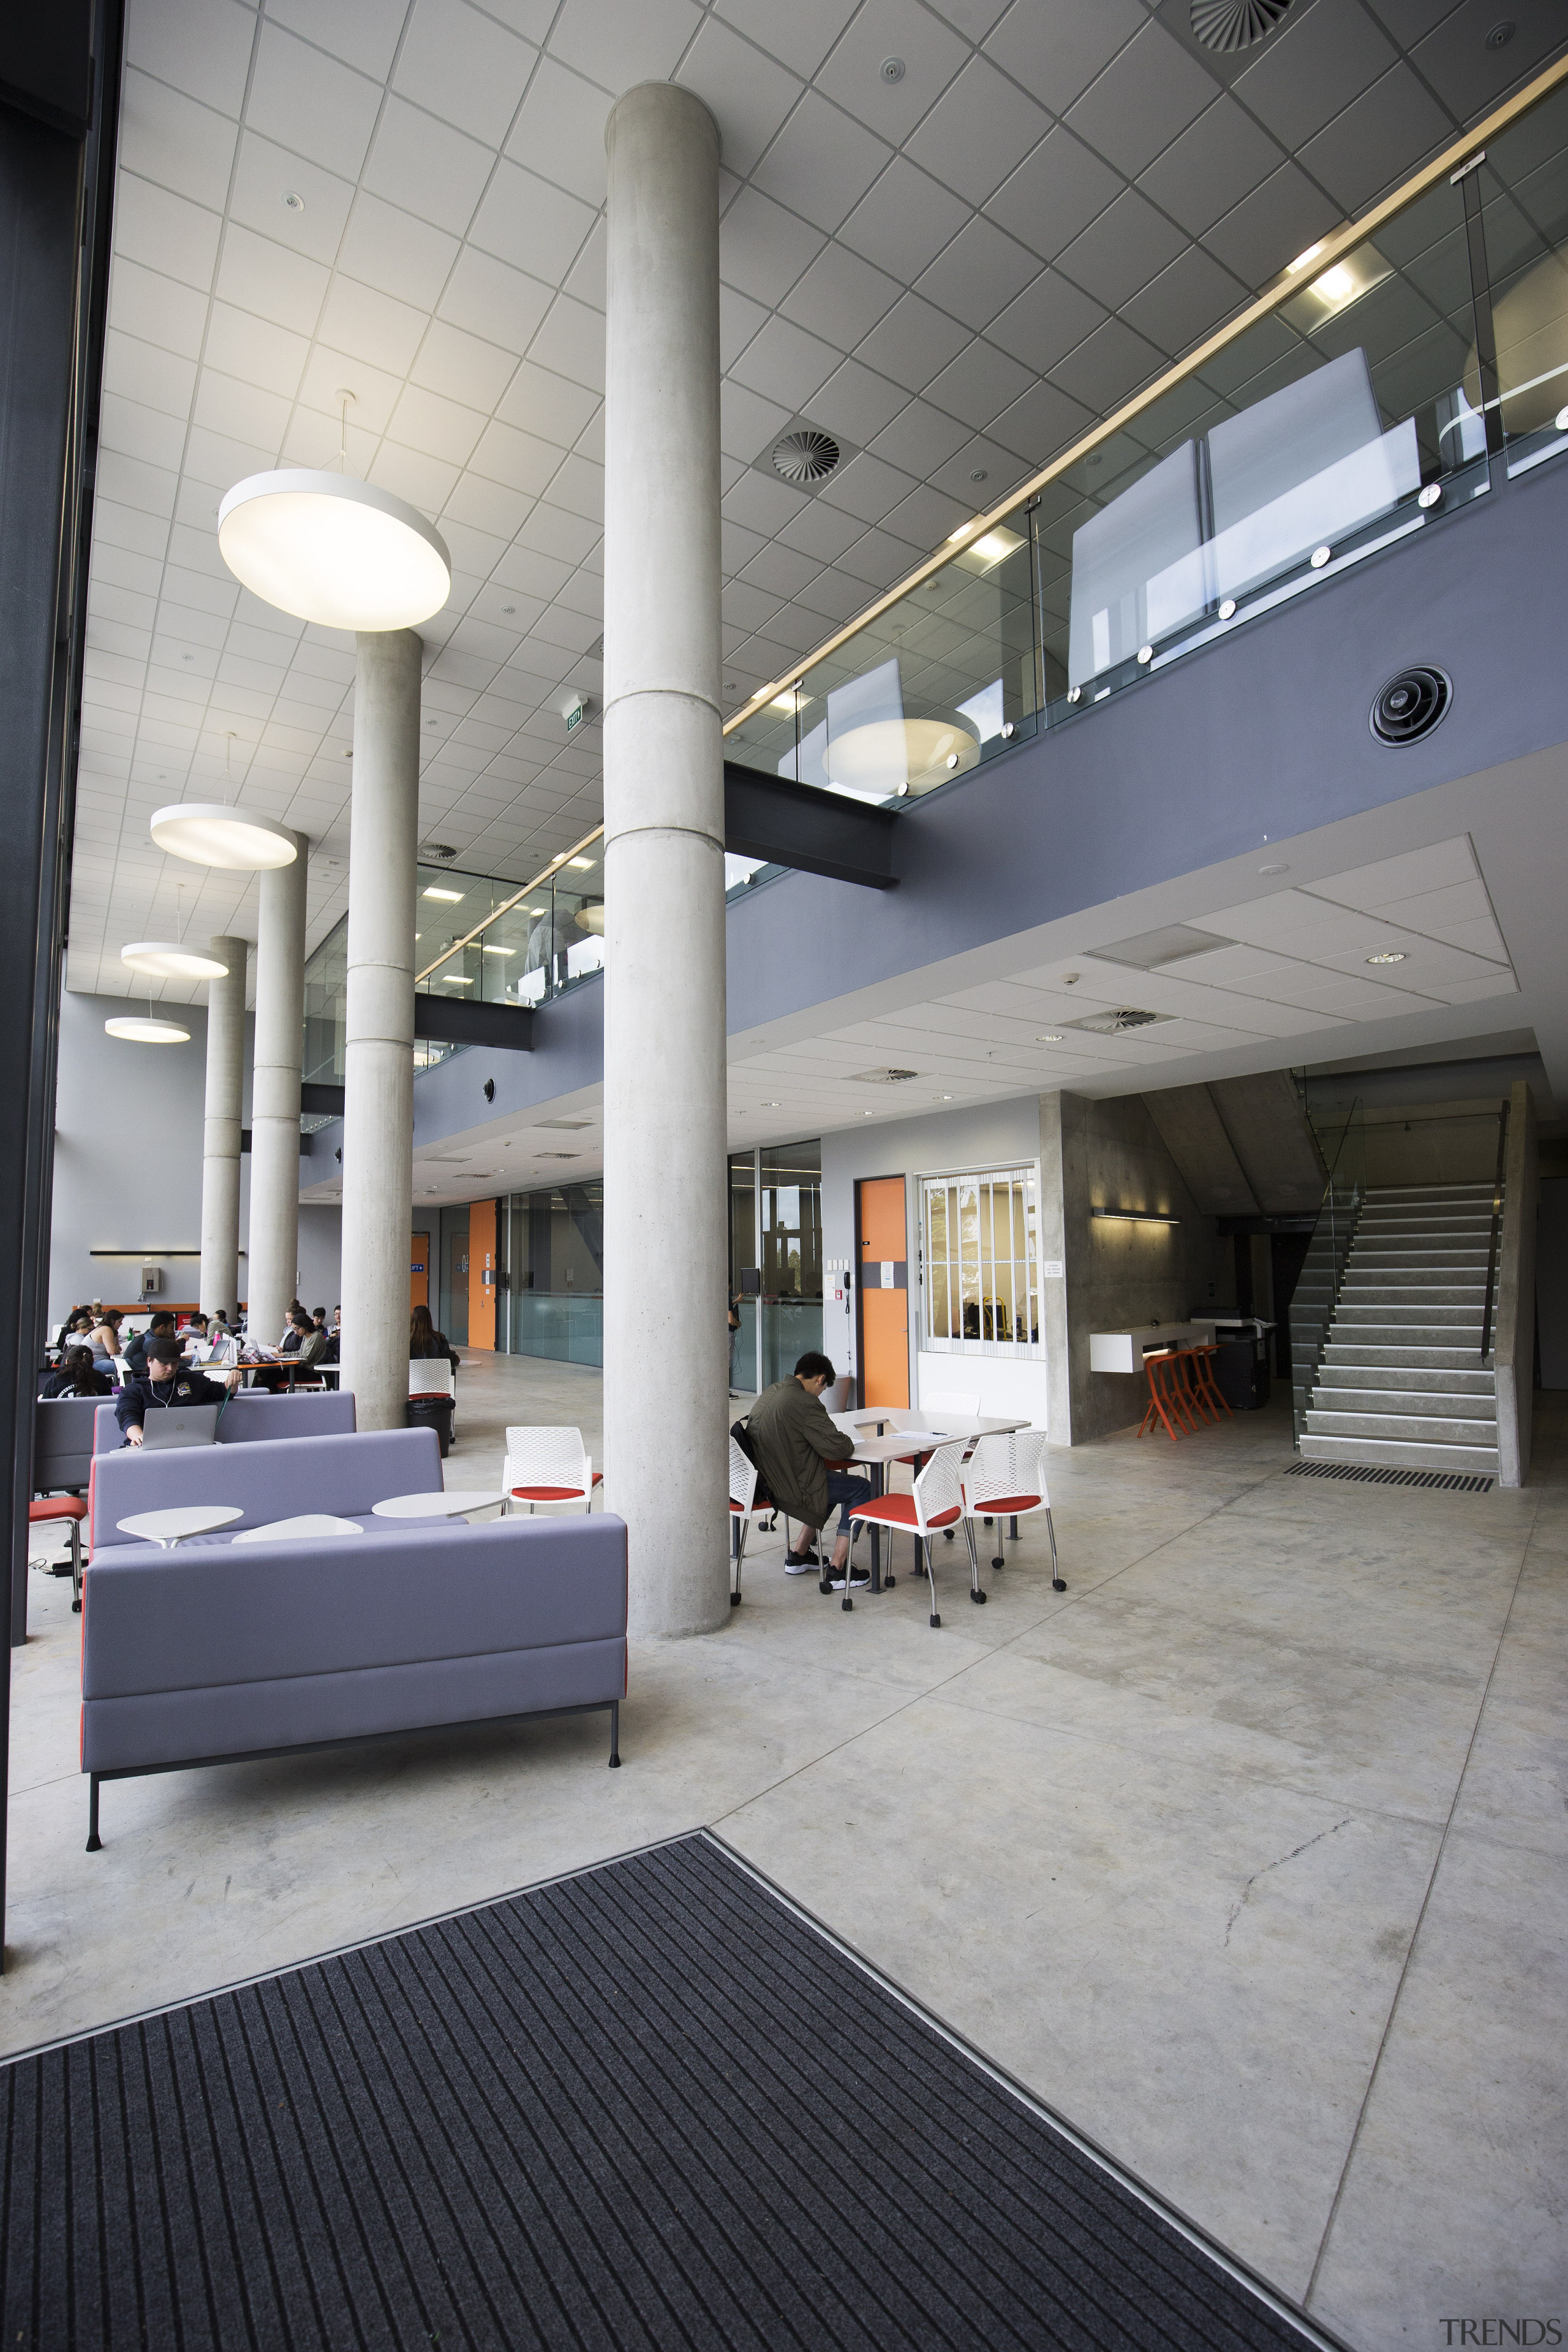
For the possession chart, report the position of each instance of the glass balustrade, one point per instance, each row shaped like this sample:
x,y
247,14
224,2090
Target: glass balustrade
x,y
1523,193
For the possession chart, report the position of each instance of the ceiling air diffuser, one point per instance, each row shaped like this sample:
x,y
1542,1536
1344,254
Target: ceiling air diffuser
x,y
1231,24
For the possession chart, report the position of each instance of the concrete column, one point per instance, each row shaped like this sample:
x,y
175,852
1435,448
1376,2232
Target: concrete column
x,y
378,1057
219,1284
665,1356
274,1262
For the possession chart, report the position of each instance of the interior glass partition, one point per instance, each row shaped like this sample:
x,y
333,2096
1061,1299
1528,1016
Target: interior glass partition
x,y
789,1194
1521,193
744,1272
552,1262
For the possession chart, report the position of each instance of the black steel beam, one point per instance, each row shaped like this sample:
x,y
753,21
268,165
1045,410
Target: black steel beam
x,y
320,1098
446,1020
786,824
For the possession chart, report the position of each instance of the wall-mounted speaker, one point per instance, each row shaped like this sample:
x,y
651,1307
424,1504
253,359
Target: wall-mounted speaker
x,y
1411,704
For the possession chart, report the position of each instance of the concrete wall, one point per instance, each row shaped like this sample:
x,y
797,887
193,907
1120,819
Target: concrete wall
x,y
1110,1155
128,1164
1437,1143
1551,1280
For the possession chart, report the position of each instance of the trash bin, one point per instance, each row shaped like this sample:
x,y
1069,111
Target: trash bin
x,y
1241,1368
433,1412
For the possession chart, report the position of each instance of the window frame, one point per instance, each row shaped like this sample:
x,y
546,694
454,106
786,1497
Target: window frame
x,y
992,1173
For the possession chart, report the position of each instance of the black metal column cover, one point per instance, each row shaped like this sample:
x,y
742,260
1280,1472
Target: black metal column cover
x,y
59,71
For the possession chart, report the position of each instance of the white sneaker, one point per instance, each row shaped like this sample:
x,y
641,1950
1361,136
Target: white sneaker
x,y
857,1582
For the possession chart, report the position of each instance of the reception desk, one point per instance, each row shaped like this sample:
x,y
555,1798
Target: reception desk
x,y
1124,1351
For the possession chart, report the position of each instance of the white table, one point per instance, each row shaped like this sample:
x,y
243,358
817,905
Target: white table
x,y
301,1529
1122,1351
453,1506
171,1527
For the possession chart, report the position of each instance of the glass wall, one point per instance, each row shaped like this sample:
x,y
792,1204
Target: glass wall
x,y
745,1270
552,1268
775,1235
980,1236
1523,193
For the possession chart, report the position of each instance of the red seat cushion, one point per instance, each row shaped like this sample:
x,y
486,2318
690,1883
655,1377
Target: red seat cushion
x,y
57,1507
1006,1506
899,1511
553,1493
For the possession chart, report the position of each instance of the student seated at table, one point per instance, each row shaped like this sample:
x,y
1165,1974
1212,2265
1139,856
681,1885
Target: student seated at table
x,y
74,1377
424,1341
104,1338
802,1455
161,1326
166,1381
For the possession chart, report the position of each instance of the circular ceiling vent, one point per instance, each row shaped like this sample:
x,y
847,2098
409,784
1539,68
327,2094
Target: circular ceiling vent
x,y
1411,705
1231,24
807,454
435,853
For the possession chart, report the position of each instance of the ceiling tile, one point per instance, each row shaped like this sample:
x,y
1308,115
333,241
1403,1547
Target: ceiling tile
x,y
462,367
540,401
1118,253
1111,363
1379,139
463,67
1148,93
151,434
1216,161
311,103
1056,53
868,487
926,516
800,35
370,325
363,33
1269,227
905,221
156,308
1467,75
786,364
763,249
202,47
438,427
979,385
749,423
572,343
427,167
1313,65
164,232
619,46
529,222
821,531
920,440
979,132
1184,301
821,164
255,350
492,300
173,140
560,132
932,54
912,342
1050,319
748,95
840,297
392,250
259,276
981,272
265,176
374,389
1055,193
146,373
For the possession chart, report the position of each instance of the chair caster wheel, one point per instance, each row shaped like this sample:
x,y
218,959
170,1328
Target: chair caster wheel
x,y
824,1586
998,1561
888,1582
936,1620
980,1596
1057,1584
985,1523
847,1602
734,1599
75,1608
947,1535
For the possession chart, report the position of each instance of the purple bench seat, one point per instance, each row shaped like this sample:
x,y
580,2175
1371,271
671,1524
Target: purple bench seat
x,y
208,1654
251,1413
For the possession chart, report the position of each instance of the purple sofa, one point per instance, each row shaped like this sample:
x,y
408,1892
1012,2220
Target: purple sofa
x,y
251,1413
209,1654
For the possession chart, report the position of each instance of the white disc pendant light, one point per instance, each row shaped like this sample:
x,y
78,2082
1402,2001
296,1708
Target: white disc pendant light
x,y
209,833
142,1030
334,550
167,959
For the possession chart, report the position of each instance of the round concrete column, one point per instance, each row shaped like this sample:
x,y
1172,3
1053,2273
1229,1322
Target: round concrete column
x,y
274,1263
665,1360
220,1285
378,1054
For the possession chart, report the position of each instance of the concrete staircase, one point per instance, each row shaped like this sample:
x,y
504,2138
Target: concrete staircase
x,y
1402,1380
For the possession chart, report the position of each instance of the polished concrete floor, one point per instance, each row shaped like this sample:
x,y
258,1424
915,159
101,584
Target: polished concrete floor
x,y
1246,1853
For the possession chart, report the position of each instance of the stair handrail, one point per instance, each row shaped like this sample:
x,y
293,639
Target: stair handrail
x,y
1498,1184
1303,1379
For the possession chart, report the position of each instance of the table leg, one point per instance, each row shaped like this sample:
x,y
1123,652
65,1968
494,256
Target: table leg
x,y
877,1537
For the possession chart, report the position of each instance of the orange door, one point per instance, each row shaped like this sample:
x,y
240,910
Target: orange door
x,y
419,1271
482,1274
884,1287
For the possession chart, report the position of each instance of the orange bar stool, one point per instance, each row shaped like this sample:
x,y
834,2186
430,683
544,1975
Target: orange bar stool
x,y
1163,1402
72,1509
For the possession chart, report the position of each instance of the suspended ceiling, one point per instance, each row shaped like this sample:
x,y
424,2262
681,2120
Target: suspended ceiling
x,y
955,270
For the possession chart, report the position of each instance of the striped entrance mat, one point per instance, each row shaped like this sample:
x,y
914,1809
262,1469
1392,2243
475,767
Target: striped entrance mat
x,y
649,2105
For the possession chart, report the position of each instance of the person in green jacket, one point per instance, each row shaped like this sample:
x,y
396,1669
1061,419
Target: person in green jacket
x,y
804,1456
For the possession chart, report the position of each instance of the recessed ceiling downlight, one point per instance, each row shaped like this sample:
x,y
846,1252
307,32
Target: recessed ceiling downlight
x,y
807,454
334,550
141,1029
1231,24
207,832
168,960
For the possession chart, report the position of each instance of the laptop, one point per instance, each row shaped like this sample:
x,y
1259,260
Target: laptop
x,y
179,1424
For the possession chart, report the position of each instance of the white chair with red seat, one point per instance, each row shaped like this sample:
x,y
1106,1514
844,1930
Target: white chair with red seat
x,y
744,1509
1002,1480
935,1504
549,1470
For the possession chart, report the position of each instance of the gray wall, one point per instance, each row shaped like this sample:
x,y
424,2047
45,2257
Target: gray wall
x,y
128,1162
1437,1143
1552,1281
